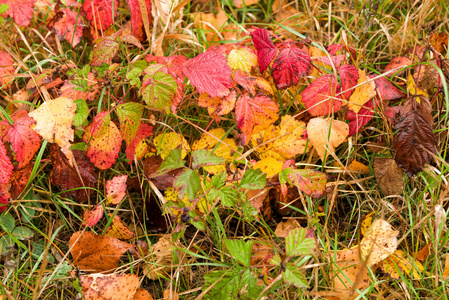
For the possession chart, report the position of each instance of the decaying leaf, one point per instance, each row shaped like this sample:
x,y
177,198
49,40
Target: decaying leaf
x,y
137,148
251,83
218,106
320,96
111,287
96,253
283,228
165,142
19,180
388,176
326,134
116,189
424,252
160,258
400,262
119,230
261,253
54,122
400,62
363,93
379,242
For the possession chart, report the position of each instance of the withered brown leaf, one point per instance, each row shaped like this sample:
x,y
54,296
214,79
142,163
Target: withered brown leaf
x,y
66,176
415,143
162,182
388,176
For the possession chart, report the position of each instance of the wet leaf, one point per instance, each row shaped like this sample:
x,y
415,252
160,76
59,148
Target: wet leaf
x,y
290,64
266,51
20,11
96,253
388,176
111,287
349,77
116,189
67,25
363,93
319,96
100,13
379,242
326,134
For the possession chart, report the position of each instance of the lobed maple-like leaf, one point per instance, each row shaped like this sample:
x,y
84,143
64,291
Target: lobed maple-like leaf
x,y
137,24
360,119
67,25
266,51
252,111
143,131
20,10
319,96
104,144
243,59
129,115
100,13
349,76
6,68
24,140
159,88
6,166
415,143
386,90
209,73
66,177
290,64
116,189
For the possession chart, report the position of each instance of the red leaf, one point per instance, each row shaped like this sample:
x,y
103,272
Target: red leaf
x,y
399,62
209,73
334,48
291,64
24,140
99,12
312,183
266,51
136,18
143,131
91,217
386,90
6,166
337,60
6,67
20,10
319,97
19,180
349,76
116,189
360,119
252,111
3,199
67,25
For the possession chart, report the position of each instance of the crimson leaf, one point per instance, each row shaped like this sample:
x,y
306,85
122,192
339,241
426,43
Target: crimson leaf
x,y
266,51
291,64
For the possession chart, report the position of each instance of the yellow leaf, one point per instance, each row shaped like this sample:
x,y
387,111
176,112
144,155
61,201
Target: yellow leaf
x,y
317,52
242,59
413,90
366,222
54,122
362,93
399,262
269,165
169,141
379,242
208,141
326,134
119,230
263,139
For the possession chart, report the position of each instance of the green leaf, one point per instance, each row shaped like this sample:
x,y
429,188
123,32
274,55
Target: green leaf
x,y
249,212
199,224
204,157
158,90
82,111
22,233
283,175
253,179
3,8
134,76
311,182
296,243
248,283
171,162
8,222
226,284
189,183
28,211
240,250
106,48
294,275
219,180
141,64
228,196
129,115
5,242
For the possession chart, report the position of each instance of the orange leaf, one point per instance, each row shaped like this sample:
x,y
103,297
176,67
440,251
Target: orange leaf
x,y
119,230
112,287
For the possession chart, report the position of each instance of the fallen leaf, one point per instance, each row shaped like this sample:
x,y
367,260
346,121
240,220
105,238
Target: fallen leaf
x,y
439,40
129,115
159,258
218,106
119,230
320,96
142,294
6,68
289,65
349,77
400,62
424,252
261,253
400,262
54,122
162,182
133,150
242,3
67,25
6,166
92,217
69,90
252,111
367,220
283,228
96,253
446,267
310,182
105,48
19,180
137,23
170,295
363,93
379,242
326,134
388,176
165,142
116,189
266,51
360,119
110,287
269,165
258,198
209,73
250,83
386,90
66,177
20,11
416,90
100,13
243,58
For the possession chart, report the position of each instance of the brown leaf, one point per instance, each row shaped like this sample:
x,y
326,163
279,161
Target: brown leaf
x,y
142,294
415,141
439,42
285,227
424,252
109,287
66,176
388,176
162,182
161,257
96,253
119,230
170,295
379,242
261,253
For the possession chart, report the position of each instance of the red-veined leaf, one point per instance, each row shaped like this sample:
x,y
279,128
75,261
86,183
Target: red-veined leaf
x,y
91,217
100,13
209,73
335,48
311,182
159,88
6,166
136,18
290,64
266,51
349,76
336,60
386,90
319,97
20,10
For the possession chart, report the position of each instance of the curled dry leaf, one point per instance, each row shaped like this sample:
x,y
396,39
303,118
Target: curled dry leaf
x,y
326,134
54,122
388,176
111,287
257,198
379,242
363,93
116,189
96,253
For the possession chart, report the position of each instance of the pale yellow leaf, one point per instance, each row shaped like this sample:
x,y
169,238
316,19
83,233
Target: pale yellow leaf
x,y
379,242
362,93
169,141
